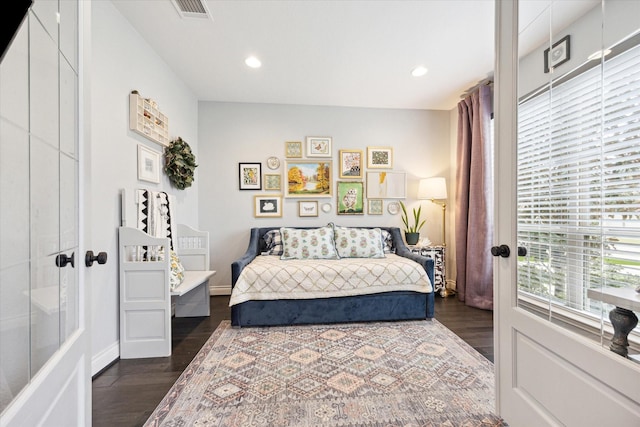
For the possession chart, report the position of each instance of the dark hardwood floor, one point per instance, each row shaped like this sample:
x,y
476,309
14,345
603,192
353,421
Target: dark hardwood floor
x,y
127,392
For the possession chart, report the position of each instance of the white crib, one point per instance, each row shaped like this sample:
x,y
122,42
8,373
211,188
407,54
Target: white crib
x,y
146,301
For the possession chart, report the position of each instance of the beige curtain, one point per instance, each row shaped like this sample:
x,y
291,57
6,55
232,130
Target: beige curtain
x,y
474,202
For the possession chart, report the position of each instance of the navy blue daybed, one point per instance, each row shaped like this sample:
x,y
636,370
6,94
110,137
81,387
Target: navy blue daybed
x,y
386,306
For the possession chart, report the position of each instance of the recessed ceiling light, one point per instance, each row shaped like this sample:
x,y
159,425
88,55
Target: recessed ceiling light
x,y
419,71
253,62
599,54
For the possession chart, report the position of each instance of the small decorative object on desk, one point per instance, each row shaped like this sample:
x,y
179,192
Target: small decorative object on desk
x,y
424,242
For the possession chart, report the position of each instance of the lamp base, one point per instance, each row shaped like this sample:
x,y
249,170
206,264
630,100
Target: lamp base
x,y
445,292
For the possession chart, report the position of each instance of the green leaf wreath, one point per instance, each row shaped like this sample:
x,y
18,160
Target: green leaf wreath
x,y
179,163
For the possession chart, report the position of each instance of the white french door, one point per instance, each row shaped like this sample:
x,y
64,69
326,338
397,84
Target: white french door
x,y
45,375
546,374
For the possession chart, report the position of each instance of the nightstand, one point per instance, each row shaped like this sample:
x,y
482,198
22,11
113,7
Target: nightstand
x,y
437,253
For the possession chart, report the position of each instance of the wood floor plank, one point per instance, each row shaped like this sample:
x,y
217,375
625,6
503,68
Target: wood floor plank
x,y
126,393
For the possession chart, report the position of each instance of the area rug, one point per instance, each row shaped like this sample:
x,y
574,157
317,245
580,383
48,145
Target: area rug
x,y
409,373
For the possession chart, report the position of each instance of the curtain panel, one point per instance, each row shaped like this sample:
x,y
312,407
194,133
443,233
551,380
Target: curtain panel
x,y
474,204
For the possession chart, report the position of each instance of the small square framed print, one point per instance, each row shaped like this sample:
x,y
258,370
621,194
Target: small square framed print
x,y
267,206
350,163
350,197
380,157
272,182
318,146
374,206
557,54
308,208
148,164
250,177
293,149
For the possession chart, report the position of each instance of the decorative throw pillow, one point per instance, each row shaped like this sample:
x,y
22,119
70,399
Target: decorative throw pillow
x,y
310,243
273,239
387,241
176,273
359,242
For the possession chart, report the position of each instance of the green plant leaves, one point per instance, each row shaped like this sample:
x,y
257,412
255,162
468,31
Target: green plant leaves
x,y
179,163
417,224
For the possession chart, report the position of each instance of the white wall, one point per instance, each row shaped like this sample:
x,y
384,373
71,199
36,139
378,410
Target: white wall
x,y
122,62
230,133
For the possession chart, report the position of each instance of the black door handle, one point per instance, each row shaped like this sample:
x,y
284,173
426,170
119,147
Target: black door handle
x,y
62,260
89,258
522,251
502,250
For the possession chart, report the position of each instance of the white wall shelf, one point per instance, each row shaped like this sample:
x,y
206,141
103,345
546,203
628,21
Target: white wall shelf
x,y
147,120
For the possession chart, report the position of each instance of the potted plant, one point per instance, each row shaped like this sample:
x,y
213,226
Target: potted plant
x,y
412,232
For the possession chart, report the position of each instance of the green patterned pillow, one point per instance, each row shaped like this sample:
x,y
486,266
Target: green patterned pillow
x,y
176,275
310,243
359,242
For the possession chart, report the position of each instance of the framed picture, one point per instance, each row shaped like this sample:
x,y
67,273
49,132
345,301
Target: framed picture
x,y
374,206
308,208
308,178
250,177
380,157
148,164
293,149
386,185
267,206
350,163
272,181
557,54
350,197
318,146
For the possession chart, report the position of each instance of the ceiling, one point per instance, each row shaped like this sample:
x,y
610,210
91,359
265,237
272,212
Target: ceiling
x,y
336,53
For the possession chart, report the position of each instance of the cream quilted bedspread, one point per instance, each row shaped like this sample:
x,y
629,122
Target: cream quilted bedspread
x,y
268,277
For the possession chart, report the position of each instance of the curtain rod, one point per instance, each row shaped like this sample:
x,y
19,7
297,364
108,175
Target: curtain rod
x,y
487,81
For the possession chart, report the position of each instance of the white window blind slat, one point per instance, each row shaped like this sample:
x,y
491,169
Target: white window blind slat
x,y
579,183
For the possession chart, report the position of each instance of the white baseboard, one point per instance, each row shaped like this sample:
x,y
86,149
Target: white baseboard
x,y
105,357
219,289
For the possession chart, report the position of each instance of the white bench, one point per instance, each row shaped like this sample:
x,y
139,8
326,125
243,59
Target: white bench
x,y
146,301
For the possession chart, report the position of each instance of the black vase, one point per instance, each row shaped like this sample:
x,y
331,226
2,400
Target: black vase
x,y
412,238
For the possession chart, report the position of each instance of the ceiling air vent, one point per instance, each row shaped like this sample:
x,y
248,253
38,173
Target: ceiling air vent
x,y
191,8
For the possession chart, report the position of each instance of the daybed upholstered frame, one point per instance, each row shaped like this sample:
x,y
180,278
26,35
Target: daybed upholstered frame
x,y
387,306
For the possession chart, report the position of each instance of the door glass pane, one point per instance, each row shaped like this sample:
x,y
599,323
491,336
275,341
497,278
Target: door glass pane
x,y
45,275
68,245
39,305
14,222
578,163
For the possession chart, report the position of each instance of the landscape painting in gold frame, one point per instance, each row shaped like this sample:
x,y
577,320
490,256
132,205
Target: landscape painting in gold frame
x,y
308,178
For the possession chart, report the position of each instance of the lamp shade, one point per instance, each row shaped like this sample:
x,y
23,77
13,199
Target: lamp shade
x,y
432,188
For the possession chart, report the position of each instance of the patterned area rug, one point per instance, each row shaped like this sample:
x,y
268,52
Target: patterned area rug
x,y
410,373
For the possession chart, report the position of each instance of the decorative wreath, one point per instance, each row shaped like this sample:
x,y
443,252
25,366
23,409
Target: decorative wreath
x,y
179,163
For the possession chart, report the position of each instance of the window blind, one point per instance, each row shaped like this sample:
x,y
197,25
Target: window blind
x,y
579,184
